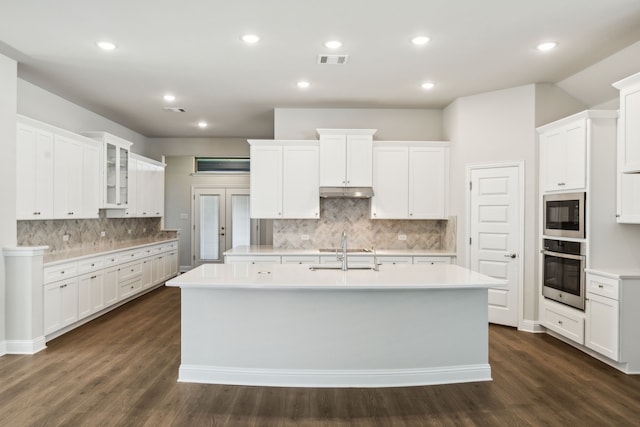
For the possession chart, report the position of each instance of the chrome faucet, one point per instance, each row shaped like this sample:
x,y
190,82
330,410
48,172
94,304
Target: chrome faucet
x,y
343,256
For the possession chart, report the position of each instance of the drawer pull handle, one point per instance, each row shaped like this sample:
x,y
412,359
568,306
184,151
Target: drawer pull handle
x,y
559,322
93,277
601,286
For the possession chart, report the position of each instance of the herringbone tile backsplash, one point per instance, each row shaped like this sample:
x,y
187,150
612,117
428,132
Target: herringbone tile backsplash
x,y
85,233
352,216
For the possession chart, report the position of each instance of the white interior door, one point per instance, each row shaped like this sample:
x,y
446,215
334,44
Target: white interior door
x,y
496,236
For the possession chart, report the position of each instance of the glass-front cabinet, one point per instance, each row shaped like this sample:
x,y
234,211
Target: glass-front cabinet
x,y
116,169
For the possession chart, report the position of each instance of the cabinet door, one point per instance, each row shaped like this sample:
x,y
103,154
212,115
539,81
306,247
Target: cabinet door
x,y
147,272
300,190
333,160
428,178
157,269
359,160
90,294
34,173
123,176
67,180
628,206
390,183
135,189
91,182
575,156
552,160
602,329
629,138
110,286
266,182
156,207
52,307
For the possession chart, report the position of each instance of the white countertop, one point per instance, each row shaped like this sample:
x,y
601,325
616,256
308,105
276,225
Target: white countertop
x,y
294,276
256,250
616,273
80,253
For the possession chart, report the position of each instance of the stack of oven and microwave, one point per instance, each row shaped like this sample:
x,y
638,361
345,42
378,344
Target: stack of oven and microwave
x,y
564,261
578,209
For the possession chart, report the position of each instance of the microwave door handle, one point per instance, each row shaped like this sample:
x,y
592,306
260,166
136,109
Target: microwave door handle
x,y
561,255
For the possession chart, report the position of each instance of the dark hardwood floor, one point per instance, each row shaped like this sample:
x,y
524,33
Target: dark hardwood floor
x,y
121,370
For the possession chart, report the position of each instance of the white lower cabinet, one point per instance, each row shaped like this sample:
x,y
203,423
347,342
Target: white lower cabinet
x,y
395,260
300,259
603,315
75,290
432,260
60,304
603,327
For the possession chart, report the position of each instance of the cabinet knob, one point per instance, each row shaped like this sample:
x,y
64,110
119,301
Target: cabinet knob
x,y
559,322
560,184
69,213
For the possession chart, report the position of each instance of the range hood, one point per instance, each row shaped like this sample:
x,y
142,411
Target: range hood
x,y
346,192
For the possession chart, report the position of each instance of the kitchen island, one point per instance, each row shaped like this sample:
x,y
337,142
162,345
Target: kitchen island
x,y
290,325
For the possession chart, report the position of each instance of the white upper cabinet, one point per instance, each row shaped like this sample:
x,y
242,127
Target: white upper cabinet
x,y
346,157
116,169
629,124
91,179
34,172
284,179
146,189
410,180
563,155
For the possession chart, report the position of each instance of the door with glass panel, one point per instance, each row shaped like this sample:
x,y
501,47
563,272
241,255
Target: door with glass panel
x,y
221,222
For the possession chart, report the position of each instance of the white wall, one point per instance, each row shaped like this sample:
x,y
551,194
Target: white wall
x,y
47,107
8,101
489,128
392,124
233,147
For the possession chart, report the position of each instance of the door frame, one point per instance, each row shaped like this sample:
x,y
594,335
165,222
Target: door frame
x,y
521,205
225,188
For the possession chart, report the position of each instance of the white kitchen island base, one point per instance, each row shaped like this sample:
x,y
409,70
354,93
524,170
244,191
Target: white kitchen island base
x,y
401,326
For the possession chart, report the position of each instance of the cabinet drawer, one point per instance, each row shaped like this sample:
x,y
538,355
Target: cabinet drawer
x,y
603,286
351,260
395,260
432,260
271,259
131,255
129,287
110,260
564,323
129,270
60,272
302,259
90,264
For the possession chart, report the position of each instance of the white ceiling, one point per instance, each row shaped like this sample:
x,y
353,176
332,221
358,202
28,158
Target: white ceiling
x,y
192,48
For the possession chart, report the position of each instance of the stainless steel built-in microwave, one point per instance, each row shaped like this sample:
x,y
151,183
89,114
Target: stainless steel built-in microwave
x,y
564,215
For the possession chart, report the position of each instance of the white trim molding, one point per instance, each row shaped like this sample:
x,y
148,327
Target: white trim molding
x,y
334,378
25,346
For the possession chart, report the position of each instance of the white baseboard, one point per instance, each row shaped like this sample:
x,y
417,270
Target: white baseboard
x,y
3,348
533,326
25,346
335,378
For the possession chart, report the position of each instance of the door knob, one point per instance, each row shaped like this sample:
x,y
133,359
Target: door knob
x,y
512,256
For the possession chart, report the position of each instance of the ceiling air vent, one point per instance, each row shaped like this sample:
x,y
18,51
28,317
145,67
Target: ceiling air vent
x,y
332,59
175,109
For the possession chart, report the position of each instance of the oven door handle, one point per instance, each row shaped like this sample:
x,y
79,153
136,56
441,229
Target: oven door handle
x,y
561,255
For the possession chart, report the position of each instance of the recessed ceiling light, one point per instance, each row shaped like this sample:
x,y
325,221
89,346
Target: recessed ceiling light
x,y
303,84
420,40
427,85
169,98
547,46
202,124
250,38
333,44
104,45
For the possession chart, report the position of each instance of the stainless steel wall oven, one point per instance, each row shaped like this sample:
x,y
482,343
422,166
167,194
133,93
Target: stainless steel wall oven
x,y
563,272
